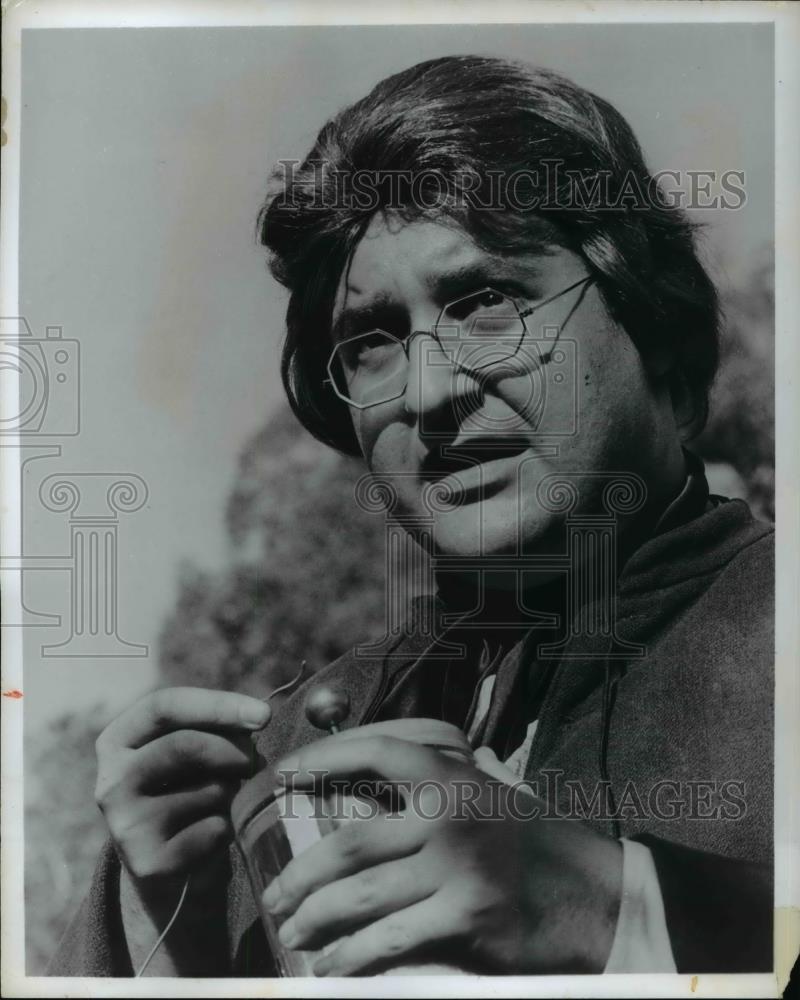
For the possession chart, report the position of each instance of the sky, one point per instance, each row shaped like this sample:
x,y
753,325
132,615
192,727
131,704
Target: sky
x,y
145,154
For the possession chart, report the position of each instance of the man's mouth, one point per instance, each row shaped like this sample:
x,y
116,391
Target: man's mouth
x,y
450,459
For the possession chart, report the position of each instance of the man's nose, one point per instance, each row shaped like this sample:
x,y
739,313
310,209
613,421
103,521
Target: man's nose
x,y
438,390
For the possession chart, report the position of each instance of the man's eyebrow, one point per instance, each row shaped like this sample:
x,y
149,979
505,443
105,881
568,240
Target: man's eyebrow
x,y
362,316
480,273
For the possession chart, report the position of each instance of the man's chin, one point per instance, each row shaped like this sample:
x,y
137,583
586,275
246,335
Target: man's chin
x,y
490,528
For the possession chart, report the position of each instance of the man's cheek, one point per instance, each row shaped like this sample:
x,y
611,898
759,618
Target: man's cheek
x,y
541,403
514,402
386,449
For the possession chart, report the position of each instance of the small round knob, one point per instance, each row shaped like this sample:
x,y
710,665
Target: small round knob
x,y
327,707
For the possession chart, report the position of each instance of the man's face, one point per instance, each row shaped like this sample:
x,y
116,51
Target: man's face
x,y
512,425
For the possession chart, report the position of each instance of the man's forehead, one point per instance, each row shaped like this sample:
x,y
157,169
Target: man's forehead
x,y
423,246
429,251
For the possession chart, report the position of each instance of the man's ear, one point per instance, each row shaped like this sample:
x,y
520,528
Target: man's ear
x,y
684,405
660,366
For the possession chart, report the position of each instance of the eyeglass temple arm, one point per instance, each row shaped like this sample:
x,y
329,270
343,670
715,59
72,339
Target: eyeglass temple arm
x,y
532,309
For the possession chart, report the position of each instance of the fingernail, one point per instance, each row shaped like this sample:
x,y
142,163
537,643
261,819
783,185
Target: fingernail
x,y
272,894
288,934
256,714
323,966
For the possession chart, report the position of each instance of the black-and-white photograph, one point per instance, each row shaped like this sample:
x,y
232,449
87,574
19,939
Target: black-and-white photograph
x,y
391,446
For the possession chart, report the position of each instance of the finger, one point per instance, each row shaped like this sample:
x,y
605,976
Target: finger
x,y
187,756
175,812
390,940
202,837
162,816
184,708
351,848
373,756
183,852
486,761
351,902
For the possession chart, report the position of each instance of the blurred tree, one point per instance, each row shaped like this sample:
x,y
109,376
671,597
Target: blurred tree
x,y
306,580
741,428
63,829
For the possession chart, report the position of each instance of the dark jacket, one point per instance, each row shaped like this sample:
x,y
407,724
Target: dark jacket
x,y
682,736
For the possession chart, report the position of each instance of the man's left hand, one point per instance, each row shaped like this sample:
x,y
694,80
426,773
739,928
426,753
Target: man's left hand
x,y
469,868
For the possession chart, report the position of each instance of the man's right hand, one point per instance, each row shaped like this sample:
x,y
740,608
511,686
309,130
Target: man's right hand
x,y
167,769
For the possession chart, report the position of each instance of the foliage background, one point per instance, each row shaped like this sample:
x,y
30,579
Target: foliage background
x,y
296,589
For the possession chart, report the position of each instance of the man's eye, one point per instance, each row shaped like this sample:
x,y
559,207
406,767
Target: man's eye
x,y
487,300
367,349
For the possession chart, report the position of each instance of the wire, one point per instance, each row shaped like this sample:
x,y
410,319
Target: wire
x,y
288,685
167,929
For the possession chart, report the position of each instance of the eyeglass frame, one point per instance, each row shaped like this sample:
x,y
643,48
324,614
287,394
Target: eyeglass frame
x,y
405,342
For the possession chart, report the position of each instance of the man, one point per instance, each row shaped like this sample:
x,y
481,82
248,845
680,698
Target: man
x,y
520,362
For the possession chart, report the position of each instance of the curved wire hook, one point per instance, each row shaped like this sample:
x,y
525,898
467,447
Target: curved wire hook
x,y
288,685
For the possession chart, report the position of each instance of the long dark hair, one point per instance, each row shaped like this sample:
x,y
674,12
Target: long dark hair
x,y
458,124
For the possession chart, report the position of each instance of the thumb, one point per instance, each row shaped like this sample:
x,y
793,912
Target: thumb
x,y
486,761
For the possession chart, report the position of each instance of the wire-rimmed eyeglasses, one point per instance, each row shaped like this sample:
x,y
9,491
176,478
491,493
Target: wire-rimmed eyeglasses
x,y
475,332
